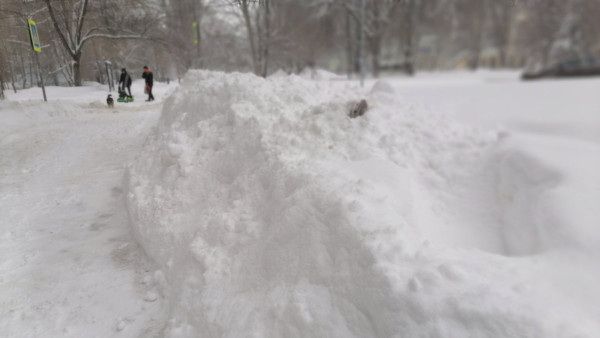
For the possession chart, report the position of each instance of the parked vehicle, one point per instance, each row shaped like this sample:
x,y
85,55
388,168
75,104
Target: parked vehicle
x,y
569,68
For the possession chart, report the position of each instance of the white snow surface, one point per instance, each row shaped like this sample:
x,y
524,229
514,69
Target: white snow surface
x,y
271,213
69,266
459,205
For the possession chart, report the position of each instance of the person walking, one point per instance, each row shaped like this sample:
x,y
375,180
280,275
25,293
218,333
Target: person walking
x,y
125,81
147,75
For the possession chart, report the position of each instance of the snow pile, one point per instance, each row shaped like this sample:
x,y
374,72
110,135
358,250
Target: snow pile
x,y
271,213
319,74
548,192
16,115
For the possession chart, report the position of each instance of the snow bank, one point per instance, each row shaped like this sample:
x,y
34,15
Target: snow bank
x,y
15,115
270,213
548,191
320,74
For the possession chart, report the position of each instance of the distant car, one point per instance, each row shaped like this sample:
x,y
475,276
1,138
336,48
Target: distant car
x,y
570,68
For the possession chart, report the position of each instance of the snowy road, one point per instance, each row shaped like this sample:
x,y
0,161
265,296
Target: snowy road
x,y
68,258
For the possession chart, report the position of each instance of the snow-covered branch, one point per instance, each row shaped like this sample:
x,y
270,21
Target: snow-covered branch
x,y
81,19
60,32
110,36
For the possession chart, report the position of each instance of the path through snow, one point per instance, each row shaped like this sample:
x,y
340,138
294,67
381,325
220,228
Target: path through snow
x,y
70,266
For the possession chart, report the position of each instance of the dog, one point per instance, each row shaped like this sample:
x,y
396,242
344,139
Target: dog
x,y
110,101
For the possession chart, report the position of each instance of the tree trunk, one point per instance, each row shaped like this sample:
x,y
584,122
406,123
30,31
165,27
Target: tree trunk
x,y
246,14
362,62
99,67
1,88
197,19
55,79
409,13
12,76
266,37
12,82
375,54
502,16
23,69
546,50
357,56
77,69
349,46
258,23
66,71
477,29
375,38
31,70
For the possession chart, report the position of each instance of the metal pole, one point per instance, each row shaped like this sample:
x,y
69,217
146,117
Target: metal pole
x,y
37,60
37,48
109,76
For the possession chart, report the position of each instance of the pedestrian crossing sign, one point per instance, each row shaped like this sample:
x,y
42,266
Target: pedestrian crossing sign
x,y
33,34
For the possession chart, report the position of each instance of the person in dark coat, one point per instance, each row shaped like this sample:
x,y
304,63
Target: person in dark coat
x,y
147,75
125,81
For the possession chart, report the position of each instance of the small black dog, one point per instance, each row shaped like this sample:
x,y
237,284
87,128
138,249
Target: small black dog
x,y
110,101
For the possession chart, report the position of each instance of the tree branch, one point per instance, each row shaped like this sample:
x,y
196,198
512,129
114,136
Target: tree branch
x,y
109,36
80,20
58,31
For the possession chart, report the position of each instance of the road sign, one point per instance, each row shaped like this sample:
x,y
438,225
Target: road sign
x,y
33,34
196,29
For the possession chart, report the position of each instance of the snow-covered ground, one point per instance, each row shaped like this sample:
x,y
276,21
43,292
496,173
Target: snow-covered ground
x,y
459,205
68,264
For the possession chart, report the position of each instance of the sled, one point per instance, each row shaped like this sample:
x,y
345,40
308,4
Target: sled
x,y
123,97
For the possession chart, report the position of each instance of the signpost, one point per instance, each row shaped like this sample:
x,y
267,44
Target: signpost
x,y
196,28
37,48
33,34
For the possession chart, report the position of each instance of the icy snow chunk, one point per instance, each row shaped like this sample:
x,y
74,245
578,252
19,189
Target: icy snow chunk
x,y
150,296
382,92
121,325
279,73
382,87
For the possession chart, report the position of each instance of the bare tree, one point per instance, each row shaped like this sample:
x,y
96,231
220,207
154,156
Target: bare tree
x,y
374,22
245,7
501,14
3,74
542,30
409,17
69,19
258,31
289,35
198,11
263,23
